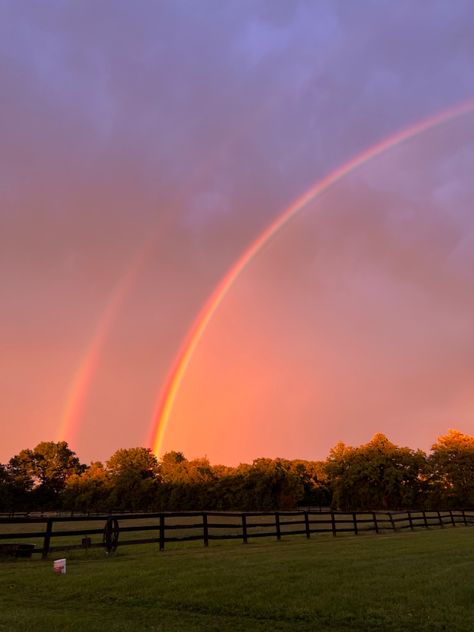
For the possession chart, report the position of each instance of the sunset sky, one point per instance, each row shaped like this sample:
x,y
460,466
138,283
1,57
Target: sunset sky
x,y
144,147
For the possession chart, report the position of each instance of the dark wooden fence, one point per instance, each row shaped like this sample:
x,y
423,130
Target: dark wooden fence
x,y
52,533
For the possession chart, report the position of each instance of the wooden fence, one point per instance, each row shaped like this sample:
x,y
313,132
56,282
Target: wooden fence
x,y
62,533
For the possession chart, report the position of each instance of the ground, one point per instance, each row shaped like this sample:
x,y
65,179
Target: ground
x,y
412,581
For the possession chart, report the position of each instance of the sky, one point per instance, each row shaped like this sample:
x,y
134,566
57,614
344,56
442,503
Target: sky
x,y
145,145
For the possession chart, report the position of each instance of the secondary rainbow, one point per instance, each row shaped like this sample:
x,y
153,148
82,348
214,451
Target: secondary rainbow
x,y
176,374
81,382
83,376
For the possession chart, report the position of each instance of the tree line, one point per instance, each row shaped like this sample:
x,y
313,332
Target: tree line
x,y
376,475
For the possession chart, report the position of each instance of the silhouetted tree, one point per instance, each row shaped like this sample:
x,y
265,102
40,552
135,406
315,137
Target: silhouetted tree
x,y
42,473
7,490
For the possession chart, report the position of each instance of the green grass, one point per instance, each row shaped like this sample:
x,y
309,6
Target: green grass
x,y
406,581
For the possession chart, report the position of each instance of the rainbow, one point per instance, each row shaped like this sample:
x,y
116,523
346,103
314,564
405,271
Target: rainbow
x,y
80,384
83,376
181,362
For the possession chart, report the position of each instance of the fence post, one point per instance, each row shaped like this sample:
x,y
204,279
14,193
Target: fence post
x,y
410,520
277,525
464,517
244,528
306,524
441,523
162,532
452,518
376,524
47,537
205,529
392,521
425,519
354,520
333,523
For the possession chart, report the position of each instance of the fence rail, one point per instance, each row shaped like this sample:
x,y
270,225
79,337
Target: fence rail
x,y
61,532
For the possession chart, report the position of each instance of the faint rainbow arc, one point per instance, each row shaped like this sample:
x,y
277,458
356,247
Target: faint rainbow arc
x,y
79,387
181,362
80,384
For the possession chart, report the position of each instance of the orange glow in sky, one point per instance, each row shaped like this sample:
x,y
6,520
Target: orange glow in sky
x,y
183,359
149,294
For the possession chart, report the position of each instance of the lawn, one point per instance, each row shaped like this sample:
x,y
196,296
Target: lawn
x,y
405,581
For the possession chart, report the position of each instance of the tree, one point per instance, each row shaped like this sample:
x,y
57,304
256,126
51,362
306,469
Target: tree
x,y
377,475
44,472
269,484
18,471
452,470
134,477
174,467
138,459
7,494
89,490
315,482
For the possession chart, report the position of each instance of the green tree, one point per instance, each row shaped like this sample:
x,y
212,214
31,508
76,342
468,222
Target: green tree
x,y
452,470
377,475
89,490
313,475
134,478
268,484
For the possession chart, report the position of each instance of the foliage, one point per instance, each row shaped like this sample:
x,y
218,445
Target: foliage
x,y
7,491
377,475
40,475
133,477
452,469
88,491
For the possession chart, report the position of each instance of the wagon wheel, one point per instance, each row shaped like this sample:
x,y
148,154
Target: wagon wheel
x,y
111,534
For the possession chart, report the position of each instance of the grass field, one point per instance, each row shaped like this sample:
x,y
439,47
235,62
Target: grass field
x,y
406,581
